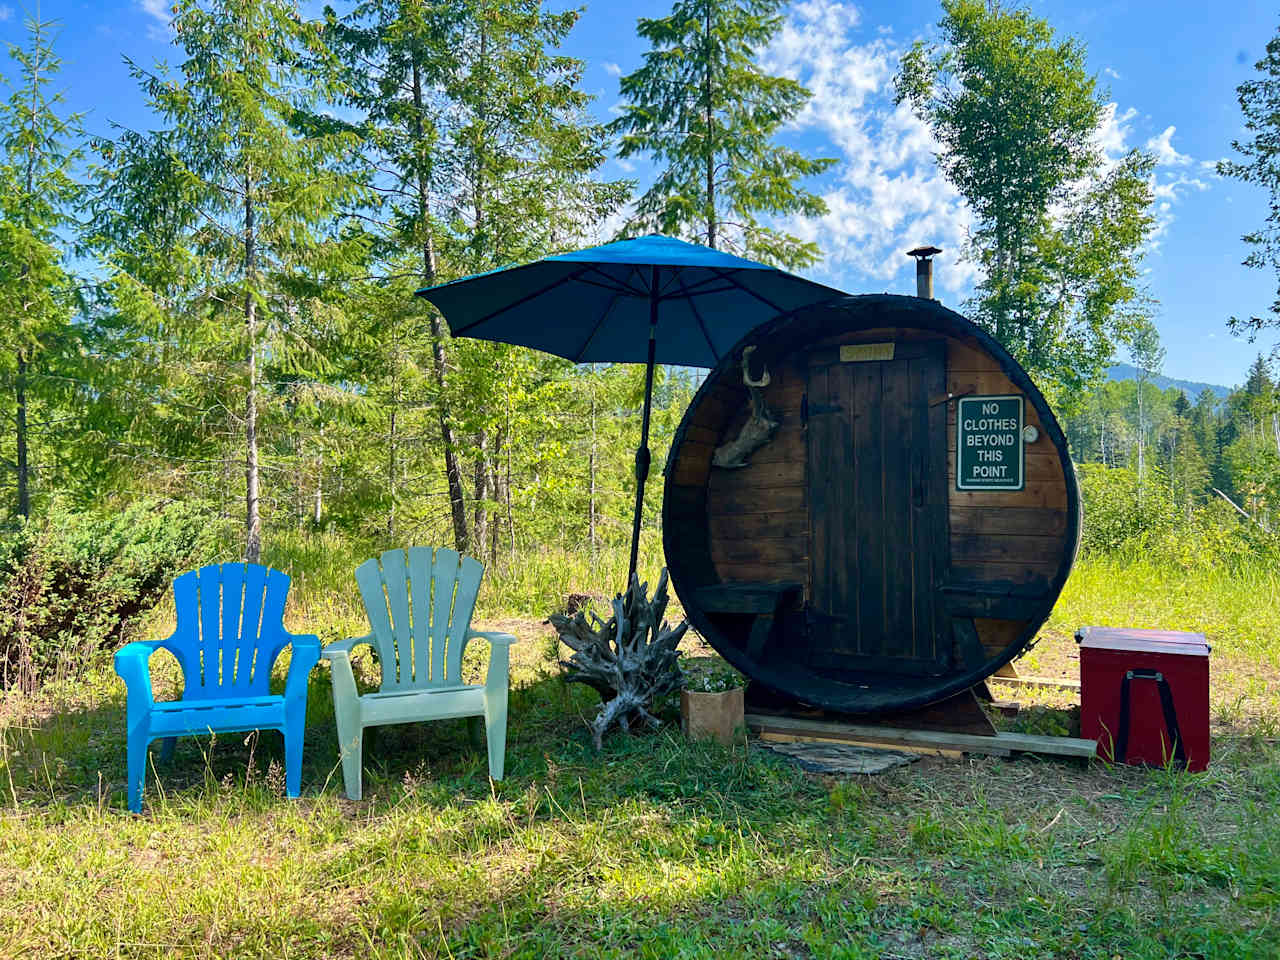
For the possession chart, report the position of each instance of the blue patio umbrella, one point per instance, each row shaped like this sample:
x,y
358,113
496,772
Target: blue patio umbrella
x,y
650,300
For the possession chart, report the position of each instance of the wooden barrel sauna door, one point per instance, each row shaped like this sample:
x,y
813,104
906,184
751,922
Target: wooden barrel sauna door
x,y
878,551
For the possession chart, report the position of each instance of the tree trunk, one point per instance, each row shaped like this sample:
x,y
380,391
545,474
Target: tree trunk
x,y
253,522
480,489
391,474
452,469
24,470
710,146
1141,438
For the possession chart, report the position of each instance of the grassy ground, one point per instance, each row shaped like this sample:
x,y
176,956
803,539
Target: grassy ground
x,y
656,847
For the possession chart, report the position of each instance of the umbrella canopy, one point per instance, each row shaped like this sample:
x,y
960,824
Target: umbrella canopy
x,y
650,300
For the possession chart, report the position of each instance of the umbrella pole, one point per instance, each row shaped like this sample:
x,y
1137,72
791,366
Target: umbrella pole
x,y
642,454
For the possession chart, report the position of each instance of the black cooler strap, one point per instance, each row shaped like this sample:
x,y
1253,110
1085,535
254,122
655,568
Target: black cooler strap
x,y
1166,703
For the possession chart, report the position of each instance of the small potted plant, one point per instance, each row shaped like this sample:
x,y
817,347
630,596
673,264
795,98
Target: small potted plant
x,y
711,701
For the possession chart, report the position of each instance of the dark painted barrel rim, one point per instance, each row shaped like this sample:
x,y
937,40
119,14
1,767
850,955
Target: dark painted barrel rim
x,y
872,311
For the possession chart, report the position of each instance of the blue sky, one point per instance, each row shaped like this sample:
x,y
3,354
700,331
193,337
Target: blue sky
x,y
1170,70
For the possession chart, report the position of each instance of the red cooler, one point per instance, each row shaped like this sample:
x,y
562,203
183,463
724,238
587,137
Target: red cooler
x,y
1144,695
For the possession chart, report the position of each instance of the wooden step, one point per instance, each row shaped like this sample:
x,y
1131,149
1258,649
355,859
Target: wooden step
x,y
1056,683
927,741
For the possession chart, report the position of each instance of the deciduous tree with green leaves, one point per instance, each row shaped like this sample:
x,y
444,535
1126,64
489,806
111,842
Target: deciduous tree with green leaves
x,y
1059,233
39,145
708,115
223,230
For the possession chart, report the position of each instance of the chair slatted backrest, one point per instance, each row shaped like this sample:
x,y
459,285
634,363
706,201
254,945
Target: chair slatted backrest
x,y
230,629
419,607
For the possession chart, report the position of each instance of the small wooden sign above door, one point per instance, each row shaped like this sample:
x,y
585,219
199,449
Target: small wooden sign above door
x,y
866,352
989,445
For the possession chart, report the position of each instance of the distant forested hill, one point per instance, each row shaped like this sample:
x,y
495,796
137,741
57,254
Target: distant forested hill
x,y
1192,388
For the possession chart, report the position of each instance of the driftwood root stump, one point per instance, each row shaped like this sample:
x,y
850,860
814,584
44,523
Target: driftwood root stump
x,y
630,659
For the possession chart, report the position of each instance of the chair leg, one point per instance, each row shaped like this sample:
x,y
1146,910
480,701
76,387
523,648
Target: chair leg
x,y
167,746
137,763
475,733
350,743
495,728
293,760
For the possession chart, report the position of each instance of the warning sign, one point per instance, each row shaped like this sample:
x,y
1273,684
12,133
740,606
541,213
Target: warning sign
x,y
989,452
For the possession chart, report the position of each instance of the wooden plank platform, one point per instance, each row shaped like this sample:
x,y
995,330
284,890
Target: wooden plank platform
x,y
1056,683
923,741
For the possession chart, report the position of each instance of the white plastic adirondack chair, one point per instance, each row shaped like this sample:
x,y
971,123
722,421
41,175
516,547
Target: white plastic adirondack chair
x,y
419,611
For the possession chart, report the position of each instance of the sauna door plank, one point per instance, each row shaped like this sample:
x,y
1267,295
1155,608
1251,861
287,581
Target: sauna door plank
x,y
877,464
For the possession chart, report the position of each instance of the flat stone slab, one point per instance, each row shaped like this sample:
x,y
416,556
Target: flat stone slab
x,y
841,757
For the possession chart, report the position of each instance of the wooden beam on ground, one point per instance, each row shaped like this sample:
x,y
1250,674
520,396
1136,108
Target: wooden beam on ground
x,y
998,745
1057,683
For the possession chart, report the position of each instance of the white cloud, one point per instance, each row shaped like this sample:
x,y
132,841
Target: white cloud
x,y
1111,72
161,13
6,13
1166,154
887,194
612,69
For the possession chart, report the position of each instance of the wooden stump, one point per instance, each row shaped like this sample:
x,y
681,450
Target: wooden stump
x,y
630,659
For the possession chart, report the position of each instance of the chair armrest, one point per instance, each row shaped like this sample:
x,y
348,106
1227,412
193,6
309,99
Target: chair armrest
x,y
493,636
305,654
346,646
499,671
339,653
133,666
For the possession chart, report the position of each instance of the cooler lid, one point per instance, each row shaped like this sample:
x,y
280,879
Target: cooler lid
x,y
1143,641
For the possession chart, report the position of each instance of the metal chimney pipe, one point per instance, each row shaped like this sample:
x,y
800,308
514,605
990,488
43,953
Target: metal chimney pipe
x,y
924,270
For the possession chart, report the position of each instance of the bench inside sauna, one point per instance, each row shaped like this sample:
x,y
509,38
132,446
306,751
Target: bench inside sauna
x,y
875,554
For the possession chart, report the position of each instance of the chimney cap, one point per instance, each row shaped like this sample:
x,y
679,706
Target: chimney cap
x,y
923,252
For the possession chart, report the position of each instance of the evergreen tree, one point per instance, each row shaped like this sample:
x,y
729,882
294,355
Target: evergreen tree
x,y
1260,164
479,128
222,229
708,115
38,149
1058,236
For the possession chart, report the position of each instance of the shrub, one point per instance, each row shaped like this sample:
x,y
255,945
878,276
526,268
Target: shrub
x,y
71,583
1118,510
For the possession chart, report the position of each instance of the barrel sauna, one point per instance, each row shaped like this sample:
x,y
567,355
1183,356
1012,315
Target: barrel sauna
x,y
876,554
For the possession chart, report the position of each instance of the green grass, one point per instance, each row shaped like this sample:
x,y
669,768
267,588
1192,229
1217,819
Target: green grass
x,y
654,848
1237,606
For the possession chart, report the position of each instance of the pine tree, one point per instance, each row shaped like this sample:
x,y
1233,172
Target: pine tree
x,y
479,128
1260,164
708,115
38,150
222,229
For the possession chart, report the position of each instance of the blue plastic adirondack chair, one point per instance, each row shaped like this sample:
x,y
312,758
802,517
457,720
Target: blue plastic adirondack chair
x,y
419,608
230,632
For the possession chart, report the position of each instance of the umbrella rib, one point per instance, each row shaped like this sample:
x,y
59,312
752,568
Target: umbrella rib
x,y
701,325
615,284
577,358
520,302
728,279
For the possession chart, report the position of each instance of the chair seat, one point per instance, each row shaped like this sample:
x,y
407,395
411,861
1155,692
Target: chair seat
x,y
430,703
172,717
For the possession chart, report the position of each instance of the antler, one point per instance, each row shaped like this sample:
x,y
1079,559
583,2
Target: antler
x,y
746,370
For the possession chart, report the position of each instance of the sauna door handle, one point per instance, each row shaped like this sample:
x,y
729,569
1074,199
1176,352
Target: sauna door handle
x,y
917,479
808,409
